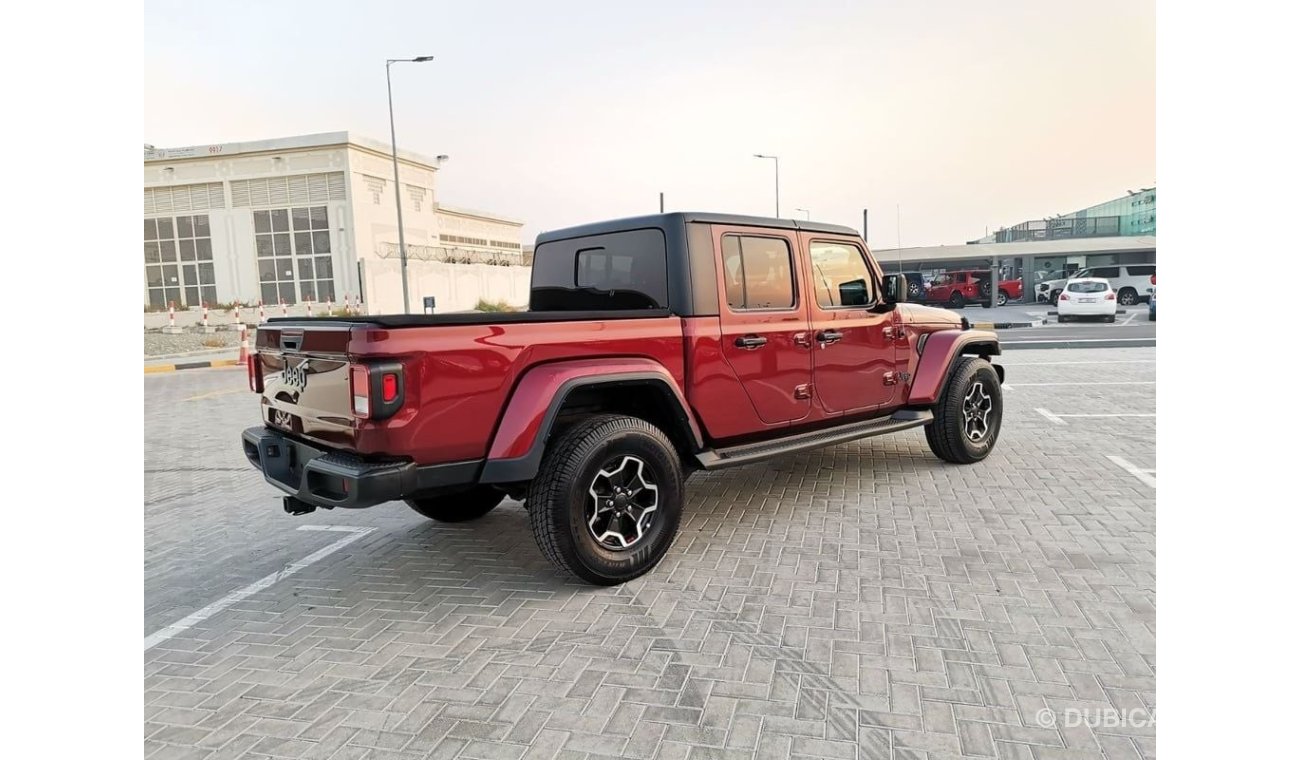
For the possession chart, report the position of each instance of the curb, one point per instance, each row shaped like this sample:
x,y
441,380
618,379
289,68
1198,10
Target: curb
x,y
153,369
1005,325
1083,343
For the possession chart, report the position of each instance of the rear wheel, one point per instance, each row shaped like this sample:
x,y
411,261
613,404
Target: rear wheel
x,y
1055,297
608,499
1128,296
1110,317
968,415
458,507
1061,318
1003,297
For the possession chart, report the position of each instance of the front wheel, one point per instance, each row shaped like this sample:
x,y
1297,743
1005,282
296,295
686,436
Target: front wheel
x,y
458,507
956,301
968,416
608,499
1003,297
1128,297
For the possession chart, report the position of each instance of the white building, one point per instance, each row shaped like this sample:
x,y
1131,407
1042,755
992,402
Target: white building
x,y
298,219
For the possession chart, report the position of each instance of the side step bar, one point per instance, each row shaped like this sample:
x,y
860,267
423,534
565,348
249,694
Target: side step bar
x,y
734,456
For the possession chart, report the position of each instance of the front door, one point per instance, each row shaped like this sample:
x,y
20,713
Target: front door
x,y
854,353
765,337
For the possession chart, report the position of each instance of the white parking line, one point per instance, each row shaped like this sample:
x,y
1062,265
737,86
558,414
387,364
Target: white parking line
x,y
194,618
1058,418
1146,476
1050,417
1128,319
1116,414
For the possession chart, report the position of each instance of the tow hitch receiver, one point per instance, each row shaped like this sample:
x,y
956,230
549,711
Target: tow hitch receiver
x,y
297,507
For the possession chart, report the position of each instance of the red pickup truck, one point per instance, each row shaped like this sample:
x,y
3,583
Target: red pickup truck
x,y
653,347
956,289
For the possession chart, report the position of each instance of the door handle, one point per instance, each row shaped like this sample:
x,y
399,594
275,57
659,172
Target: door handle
x,y
826,337
751,341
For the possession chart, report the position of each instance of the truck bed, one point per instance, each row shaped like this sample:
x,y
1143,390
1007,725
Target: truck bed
x,y
473,318
459,371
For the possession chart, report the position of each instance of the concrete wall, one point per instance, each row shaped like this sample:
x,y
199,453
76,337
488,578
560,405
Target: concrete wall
x,y
457,287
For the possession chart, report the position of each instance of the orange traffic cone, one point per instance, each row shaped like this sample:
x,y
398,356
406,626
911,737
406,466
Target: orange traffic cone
x,y
243,345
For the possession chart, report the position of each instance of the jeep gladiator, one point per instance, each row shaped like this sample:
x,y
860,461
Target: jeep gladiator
x,y
653,347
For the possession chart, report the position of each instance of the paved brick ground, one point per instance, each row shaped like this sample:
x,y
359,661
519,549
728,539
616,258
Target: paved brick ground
x,y
864,601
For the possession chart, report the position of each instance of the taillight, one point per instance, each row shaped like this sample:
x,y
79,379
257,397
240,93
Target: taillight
x,y
1064,297
378,390
360,378
1110,296
255,373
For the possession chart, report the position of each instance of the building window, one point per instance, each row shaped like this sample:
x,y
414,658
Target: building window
x,y
417,197
178,261
463,240
293,254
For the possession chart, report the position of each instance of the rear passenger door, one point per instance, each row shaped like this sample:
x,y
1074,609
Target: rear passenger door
x,y
764,323
854,350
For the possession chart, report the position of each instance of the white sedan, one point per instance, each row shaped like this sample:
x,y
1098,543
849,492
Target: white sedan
x,y
1086,297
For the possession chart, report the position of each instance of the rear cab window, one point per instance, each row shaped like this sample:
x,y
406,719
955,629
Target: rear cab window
x,y
1087,287
614,271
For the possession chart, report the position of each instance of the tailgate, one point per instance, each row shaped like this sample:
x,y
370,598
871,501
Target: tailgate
x,y
305,376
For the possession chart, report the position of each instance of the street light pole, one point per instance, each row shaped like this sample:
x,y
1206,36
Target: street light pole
x,y
397,183
776,164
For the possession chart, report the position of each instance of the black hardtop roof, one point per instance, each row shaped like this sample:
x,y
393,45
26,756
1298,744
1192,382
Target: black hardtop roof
x,y
682,217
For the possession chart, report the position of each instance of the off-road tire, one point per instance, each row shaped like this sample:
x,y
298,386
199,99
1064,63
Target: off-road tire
x,y
558,498
458,507
1128,297
956,301
947,434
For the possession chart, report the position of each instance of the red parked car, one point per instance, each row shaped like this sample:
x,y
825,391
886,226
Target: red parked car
x,y
956,289
653,347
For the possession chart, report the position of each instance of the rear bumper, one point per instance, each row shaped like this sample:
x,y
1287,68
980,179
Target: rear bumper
x,y
1074,309
324,478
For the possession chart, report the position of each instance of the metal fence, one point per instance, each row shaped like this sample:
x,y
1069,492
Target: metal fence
x,y
1061,229
456,255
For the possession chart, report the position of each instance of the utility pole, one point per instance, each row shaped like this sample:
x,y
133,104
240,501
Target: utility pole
x,y
661,203
397,183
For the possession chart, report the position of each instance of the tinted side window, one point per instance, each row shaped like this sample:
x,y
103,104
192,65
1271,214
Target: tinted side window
x,y
618,270
1144,271
840,275
758,272
1104,272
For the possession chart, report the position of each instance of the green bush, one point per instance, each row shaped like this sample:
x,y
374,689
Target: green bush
x,y
484,305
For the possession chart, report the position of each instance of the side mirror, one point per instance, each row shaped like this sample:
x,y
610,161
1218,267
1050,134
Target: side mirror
x,y
895,289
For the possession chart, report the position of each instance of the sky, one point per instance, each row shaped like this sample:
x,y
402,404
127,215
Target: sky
x,y
944,118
